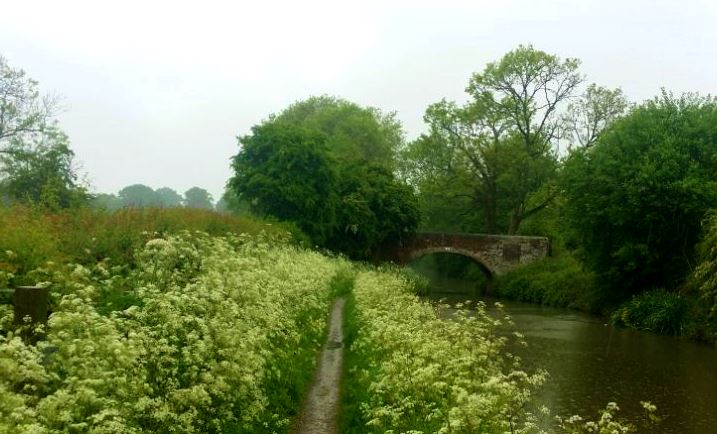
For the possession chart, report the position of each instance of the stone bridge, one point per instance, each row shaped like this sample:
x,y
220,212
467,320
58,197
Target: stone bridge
x,y
495,253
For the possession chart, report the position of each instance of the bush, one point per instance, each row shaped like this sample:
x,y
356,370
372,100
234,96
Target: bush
x,y
559,282
657,311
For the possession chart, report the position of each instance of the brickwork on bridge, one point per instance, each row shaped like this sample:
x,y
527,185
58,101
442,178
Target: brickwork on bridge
x,y
496,253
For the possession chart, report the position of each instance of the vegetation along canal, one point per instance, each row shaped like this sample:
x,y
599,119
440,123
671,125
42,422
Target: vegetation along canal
x,y
591,363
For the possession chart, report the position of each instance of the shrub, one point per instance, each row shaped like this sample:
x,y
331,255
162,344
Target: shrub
x,y
558,282
657,311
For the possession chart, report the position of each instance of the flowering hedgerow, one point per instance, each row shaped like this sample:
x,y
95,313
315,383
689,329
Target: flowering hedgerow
x,y
221,337
424,374
409,371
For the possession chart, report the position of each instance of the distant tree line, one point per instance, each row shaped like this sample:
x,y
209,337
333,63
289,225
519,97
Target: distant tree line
x,y
142,196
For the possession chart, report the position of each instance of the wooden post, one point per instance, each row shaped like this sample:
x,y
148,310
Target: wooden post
x,y
33,302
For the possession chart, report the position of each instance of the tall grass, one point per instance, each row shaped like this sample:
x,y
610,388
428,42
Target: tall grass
x,y
657,311
32,238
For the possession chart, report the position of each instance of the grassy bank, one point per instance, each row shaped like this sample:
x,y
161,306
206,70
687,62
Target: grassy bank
x,y
33,240
563,282
409,370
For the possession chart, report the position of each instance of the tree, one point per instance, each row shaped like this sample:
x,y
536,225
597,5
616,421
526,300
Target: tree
x,y
197,197
497,156
587,117
168,198
36,162
356,133
41,172
636,198
283,170
327,165
374,211
138,196
23,111
705,275
230,202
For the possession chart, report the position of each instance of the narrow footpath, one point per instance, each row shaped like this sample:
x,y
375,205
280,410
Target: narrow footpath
x,y
321,408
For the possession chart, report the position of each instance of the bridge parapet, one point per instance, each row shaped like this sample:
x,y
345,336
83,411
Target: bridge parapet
x,y
496,253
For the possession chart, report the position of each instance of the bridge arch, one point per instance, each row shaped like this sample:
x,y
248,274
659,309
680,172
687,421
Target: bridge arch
x,y
419,253
495,253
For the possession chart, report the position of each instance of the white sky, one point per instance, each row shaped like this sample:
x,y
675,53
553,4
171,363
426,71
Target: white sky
x,y
156,92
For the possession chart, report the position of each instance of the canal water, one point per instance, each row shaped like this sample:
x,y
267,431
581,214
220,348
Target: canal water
x,y
592,363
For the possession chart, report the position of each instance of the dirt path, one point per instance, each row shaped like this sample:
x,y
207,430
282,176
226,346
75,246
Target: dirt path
x,y
321,408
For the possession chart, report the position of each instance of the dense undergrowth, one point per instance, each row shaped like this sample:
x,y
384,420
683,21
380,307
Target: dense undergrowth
x,y
562,281
553,281
221,337
33,238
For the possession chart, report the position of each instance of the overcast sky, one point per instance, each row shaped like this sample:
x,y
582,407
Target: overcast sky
x,y
156,92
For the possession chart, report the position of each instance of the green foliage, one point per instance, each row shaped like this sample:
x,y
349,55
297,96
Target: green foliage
x,y
635,200
297,167
222,339
197,197
355,133
657,311
168,197
38,240
36,162
558,282
409,371
138,196
23,111
285,172
705,275
41,172
493,160
374,211
490,165
230,202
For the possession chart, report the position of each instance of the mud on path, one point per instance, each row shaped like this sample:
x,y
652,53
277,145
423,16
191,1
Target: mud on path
x,y
319,414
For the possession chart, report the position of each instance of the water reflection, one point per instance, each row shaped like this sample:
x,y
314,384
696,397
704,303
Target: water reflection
x,y
591,363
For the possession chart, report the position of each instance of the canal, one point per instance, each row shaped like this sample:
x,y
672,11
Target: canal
x,y
592,363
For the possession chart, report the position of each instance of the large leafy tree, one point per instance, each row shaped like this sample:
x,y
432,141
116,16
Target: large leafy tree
x,y
283,170
374,210
23,110
168,197
36,162
327,165
636,198
492,161
41,172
